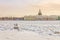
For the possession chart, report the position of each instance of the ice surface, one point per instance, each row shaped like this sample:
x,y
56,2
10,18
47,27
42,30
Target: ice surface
x,y
30,30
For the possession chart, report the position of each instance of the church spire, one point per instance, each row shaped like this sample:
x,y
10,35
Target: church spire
x,y
39,13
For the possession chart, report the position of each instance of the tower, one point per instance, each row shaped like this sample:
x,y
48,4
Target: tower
x,y
39,13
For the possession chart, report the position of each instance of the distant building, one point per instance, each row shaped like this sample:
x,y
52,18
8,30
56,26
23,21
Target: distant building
x,y
39,13
29,18
41,17
52,17
37,17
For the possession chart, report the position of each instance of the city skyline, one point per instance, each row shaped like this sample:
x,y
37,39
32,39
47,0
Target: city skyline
x,y
19,8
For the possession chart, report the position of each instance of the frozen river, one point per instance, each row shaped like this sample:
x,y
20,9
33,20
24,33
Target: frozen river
x,y
30,30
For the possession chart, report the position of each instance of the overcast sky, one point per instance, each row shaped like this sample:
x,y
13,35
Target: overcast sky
x,y
20,8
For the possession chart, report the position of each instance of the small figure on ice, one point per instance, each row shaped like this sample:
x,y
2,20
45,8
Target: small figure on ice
x,y
16,27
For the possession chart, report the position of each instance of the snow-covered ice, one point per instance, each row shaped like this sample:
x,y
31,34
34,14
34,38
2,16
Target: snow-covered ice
x,y
30,30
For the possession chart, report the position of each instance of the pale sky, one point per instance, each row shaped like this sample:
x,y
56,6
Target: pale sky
x,y
19,8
